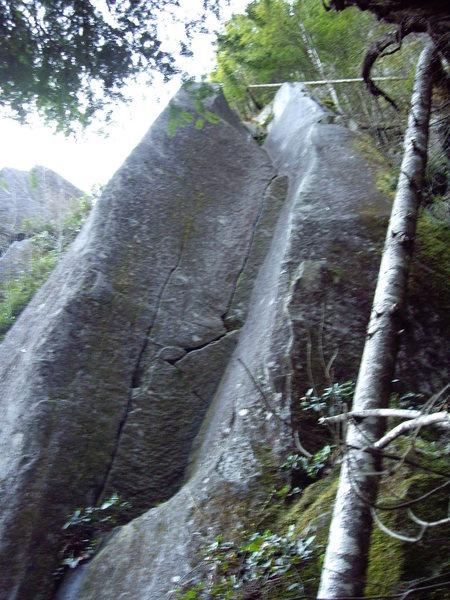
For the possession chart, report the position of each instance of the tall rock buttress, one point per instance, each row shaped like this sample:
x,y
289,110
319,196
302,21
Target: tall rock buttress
x,y
248,428
106,376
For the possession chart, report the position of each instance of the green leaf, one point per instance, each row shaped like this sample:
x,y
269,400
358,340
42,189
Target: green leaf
x,y
199,124
113,500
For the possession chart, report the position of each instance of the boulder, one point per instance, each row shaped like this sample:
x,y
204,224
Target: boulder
x,y
164,359
16,260
29,201
310,298
108,373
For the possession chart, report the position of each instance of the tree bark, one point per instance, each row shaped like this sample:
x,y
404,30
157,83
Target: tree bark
x,y
343,573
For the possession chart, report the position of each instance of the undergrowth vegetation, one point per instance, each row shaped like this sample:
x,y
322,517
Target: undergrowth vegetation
x,y
260,565
84,528
278,555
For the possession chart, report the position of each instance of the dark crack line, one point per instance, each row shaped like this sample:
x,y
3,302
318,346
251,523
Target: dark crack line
x,y
190,350
135,380
250,245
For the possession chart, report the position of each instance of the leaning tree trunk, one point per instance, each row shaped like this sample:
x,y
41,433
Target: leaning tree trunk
x,y
343,573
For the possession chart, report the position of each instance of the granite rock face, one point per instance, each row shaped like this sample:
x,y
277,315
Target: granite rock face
x,y
213,283
107,374
296,304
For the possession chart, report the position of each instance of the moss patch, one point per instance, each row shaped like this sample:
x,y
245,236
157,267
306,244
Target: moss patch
x,y
430,271
395,565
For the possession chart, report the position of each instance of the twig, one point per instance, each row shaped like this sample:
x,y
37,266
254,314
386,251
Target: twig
x,y
309,363
424,525
427,524
299,446
394,534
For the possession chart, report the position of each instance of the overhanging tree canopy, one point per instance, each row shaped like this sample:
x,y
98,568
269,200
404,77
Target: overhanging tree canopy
x,y
68,58
419,16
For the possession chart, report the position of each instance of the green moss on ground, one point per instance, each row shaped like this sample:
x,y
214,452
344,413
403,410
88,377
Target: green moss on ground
x,y
430,270
395,565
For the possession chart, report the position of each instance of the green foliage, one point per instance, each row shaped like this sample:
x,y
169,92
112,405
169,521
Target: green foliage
x,y
430,272
84,526
406,400
16,294
49,243
68,59
32,179
394,565
266,563
266,45
311,466
279,40
332,400
3,184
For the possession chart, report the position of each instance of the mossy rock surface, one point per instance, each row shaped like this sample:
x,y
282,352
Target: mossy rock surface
x,y
395,565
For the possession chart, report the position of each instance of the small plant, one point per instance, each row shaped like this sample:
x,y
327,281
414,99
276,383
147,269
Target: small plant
x,y
83,527
312,466
332,401
199,93
266,562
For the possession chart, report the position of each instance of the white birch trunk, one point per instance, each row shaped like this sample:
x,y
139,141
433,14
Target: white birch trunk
x,y
343,573
315,59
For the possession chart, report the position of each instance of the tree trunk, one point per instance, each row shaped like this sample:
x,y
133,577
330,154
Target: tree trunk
x,y
315,59
343,573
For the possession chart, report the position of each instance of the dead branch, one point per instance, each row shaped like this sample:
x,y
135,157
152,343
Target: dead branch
x,y
299,446
377,50
422,523
376,412
263,395
390,456
441,419
424,526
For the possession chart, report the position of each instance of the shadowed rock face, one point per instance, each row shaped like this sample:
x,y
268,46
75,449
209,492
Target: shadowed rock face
x,y
106,376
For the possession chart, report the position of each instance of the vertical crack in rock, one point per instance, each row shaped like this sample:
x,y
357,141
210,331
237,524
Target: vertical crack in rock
x,y
136,377
249,251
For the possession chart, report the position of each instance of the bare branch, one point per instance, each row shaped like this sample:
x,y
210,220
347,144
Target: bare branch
x,y
388,455
440,419
394,534
377,51
422,523
376,412
263,395
424,526
299,446
330,364
407,503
